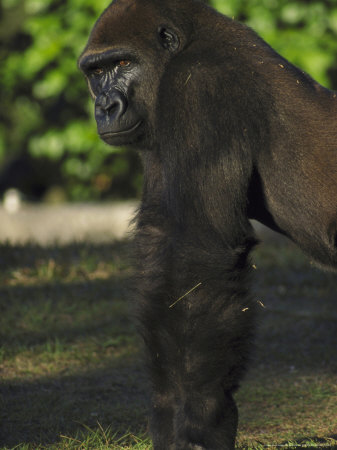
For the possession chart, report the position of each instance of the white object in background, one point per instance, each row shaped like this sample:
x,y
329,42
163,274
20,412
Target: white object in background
x,y
12,201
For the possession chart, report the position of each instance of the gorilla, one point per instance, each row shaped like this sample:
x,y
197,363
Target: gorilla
x,y
228,131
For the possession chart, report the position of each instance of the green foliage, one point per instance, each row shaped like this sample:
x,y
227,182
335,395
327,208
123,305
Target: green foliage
x,y
303,32
46,109
45,106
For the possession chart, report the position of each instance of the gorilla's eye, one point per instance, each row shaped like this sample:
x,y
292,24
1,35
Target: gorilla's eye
x,y
168,39
124,63
97,71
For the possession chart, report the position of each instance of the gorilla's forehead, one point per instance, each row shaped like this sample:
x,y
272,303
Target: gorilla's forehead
x,y
123,5
125,20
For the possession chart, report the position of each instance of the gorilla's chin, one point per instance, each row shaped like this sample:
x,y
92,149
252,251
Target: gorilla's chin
x,y
121,137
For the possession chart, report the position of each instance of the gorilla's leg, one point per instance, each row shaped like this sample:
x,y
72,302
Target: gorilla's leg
x,y
197,322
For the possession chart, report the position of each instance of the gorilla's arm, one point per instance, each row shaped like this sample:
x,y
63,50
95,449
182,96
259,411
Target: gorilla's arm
x,y
197,320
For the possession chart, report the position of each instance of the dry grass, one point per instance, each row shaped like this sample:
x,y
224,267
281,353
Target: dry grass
x,y
70,358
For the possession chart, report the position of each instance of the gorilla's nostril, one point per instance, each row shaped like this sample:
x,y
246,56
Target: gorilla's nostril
x,y
118,105
113,103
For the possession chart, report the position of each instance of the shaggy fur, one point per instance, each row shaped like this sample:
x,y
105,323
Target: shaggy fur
x,y
228,130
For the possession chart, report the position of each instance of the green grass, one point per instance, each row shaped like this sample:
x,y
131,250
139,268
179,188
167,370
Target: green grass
x,y
70,359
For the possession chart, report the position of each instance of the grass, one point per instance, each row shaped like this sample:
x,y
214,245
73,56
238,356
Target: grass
x,y
70,359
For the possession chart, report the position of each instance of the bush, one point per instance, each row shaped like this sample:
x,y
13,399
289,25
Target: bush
x,y
303,32
45,107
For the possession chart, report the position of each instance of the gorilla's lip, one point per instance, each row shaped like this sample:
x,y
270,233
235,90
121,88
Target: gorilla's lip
x,y
121,132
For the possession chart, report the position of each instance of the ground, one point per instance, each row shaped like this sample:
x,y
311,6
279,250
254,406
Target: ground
x,y
70,359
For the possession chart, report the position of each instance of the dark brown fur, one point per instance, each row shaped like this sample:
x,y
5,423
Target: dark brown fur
x,y
228,130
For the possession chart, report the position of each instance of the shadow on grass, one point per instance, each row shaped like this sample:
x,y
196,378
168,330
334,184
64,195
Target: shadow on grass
x,y
64,312
70,355
39,412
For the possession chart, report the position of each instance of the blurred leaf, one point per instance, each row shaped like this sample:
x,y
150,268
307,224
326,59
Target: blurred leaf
x,y
2,142
293,13
45,106
50,144
36,6
10,3
54,82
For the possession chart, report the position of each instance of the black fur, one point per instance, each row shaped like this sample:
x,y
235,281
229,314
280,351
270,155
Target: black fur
x,y
228,130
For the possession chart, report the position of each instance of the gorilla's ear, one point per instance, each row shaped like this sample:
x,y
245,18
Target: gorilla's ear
x,y
168,39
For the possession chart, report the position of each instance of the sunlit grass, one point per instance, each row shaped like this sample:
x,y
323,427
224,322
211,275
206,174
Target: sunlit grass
x,y
70,358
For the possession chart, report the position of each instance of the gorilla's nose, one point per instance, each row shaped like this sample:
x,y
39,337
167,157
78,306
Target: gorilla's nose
x,y
112,103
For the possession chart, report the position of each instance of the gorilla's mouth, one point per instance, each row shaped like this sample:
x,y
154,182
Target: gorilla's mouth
x,y
120,133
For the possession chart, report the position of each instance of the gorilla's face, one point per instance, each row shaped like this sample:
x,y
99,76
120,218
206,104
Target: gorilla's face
x,y
112,76
123,63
